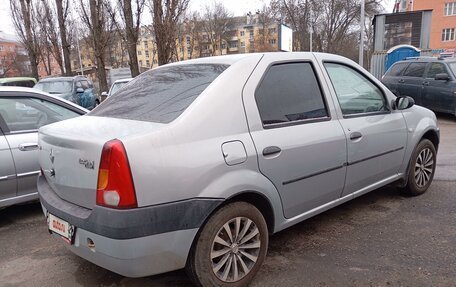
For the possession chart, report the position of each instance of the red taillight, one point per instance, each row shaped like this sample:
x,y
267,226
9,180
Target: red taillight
x,y
115,187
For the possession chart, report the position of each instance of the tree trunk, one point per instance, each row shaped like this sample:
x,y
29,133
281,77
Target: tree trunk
x,y
132,38
25,8
99,51
63,37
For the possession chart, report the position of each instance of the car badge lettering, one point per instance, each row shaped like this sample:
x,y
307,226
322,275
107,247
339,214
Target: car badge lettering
x,y
90,164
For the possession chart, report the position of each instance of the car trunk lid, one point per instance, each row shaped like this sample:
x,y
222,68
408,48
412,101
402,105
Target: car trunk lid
x,y
70,153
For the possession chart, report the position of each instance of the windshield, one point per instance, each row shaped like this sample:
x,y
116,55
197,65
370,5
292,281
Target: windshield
x,y
453,67
160,95
116,86
55,87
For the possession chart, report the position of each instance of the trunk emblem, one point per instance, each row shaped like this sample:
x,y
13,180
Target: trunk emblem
x,y
51,156
90,164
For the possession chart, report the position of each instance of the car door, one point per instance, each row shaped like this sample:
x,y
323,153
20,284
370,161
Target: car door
x,y
8,185
438,94
412,81
25,114
376,135
301,147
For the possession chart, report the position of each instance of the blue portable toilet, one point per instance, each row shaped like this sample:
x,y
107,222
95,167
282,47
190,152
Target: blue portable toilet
x,y
400,52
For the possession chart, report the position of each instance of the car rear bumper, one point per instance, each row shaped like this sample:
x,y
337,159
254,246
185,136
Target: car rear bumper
x,y
136,257
134,243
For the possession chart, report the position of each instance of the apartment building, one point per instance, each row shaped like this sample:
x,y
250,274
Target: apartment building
x,y
13,58
443,27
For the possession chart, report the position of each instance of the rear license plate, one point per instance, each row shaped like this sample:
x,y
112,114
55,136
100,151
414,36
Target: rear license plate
x,y
60,227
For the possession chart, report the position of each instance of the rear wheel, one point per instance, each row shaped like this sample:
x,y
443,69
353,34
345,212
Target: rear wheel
x,y
422,168
230,248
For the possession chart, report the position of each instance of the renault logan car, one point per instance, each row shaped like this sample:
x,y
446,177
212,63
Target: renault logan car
x,y
197,162
22,112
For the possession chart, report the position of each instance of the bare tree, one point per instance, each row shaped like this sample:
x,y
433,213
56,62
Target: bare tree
x,y
193,28
98,21
128,28
217,22
62,8
265,20
166,15
24,16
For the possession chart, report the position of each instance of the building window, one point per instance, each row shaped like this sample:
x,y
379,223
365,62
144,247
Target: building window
x,y
223,45
188,40
1,48
272,30
139,53
448,34
140,63
450,9
147,63
11,48
272,41
146,45
233,44
242,33
251,33
147,54
242,44
189,51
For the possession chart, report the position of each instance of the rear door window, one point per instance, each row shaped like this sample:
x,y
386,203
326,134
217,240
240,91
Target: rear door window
x,y
397,69
290,93
415,70
160,95
435,69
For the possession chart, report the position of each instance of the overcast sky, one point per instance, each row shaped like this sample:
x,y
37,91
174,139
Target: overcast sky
x,y
237,7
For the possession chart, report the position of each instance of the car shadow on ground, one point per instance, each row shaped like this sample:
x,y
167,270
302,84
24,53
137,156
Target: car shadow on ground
x,y
22,212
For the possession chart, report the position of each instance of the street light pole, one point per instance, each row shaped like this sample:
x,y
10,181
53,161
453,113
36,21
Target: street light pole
x,y
361,39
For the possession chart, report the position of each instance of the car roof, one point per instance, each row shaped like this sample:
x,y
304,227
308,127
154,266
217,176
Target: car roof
x,y
15,79
64,78
123,80
428,59
6,89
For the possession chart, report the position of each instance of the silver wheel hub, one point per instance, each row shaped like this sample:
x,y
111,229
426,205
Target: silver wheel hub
x,y
235,249
424,167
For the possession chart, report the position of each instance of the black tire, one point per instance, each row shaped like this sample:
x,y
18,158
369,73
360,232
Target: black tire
x,y
200,264
415,184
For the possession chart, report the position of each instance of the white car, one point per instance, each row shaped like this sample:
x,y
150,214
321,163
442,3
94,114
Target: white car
x,y
116,86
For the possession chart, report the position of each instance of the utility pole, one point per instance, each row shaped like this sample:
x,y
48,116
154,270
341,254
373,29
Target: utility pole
x,y
361,39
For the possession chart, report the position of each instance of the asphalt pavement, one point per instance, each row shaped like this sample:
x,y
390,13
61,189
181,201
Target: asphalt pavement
x,y
379,239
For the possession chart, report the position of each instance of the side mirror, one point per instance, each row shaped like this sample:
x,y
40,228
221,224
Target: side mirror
x,y
79,90
404,103
104,94
442,77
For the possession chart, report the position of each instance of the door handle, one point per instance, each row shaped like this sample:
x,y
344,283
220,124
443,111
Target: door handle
x,y
401,81
355,136
28,146
270,150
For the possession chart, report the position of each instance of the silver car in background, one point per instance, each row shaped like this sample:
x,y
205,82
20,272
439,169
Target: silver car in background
x,y
22,112
198,162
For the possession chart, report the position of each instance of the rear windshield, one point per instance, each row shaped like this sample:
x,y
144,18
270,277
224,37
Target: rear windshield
x,y
160,95
55,87
397,69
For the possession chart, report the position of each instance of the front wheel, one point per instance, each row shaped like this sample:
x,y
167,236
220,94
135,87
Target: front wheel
x,y
230,248
422,168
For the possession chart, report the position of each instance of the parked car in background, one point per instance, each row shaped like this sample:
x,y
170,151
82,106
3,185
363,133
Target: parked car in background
x,y
78,90
22,112
27,82
196,163
431,82
116,86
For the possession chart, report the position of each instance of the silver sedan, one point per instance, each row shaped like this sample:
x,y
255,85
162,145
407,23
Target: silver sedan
x,y
22,112
194,164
